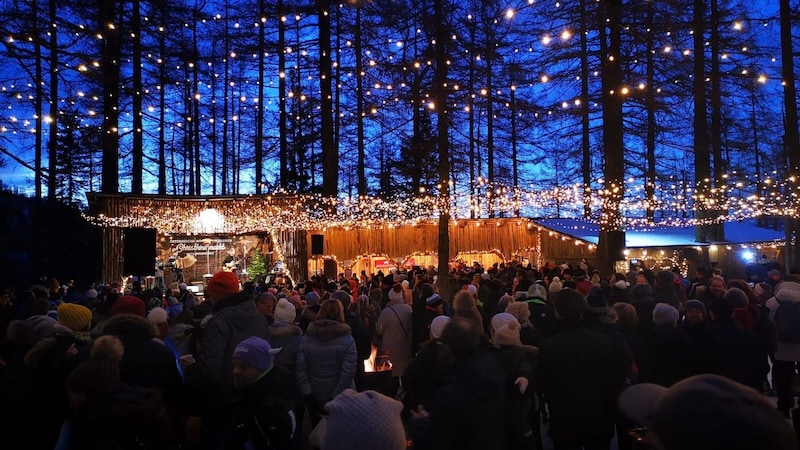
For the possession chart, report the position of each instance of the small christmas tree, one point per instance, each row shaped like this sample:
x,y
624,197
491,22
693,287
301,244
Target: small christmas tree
x,y
257,266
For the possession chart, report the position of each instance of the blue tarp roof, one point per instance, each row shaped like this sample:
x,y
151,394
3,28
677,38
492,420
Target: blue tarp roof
x,y
735,233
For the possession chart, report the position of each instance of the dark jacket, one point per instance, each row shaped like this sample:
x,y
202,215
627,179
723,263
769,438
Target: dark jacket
x,y
423,376
146,362
211,377
579,376
667,356
516,362
737,353
467,411
286,340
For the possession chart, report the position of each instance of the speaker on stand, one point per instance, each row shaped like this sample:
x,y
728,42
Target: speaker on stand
x,y
139,251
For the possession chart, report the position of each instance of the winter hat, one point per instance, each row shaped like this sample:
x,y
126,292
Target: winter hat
x,y
222,285
508,334
696,304
154,302
344,298
596,300
396,293
284,311
521,311
537,291
502,319
689,415
434,300
91,293
160,319
621,284
128,305
364,420
471,288
737,297
555,285
762,290
578,274
665,278
101,372
39,327
722,307
74,316
404,284
437,326
256,352
312,298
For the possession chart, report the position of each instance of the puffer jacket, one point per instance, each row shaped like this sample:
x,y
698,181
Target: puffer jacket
x,y
787,291
326,361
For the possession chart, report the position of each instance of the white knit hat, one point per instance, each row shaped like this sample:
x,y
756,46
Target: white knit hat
x,y
364,420
284,311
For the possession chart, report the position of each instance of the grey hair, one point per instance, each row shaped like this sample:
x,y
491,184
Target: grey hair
x,y
665,314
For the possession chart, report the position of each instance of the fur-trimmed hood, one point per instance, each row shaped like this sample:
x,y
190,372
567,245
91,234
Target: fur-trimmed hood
x,y
130,326
327,329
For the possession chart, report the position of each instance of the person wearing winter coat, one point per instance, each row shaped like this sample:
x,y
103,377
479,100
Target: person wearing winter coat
x,y
395,325
209,371
326,360
579,374
787,353
736,352
425,373
466,412
666,357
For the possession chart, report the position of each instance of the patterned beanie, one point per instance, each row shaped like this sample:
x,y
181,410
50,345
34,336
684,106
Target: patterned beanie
x,y
356,418
128,305
222,285
74,316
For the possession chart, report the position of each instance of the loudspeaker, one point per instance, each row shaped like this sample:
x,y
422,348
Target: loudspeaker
x,y
317,244
331,268
139,251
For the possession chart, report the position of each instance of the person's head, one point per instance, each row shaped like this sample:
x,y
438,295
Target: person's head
x,y
641,278
355,418
665,314
437,326
569,306
521,311
721,307
222,285
716,286
343,297
775,275
331,309
251,360
704,412
737,297
266,304
460,339
74,316
695,312
626,314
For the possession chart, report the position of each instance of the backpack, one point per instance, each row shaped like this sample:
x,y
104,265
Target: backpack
x,y
787,322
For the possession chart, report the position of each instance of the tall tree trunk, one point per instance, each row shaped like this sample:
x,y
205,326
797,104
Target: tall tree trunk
x,y
443,143
650,104
790,132
489,54
586,160
702,168
38,142
362,156
162,100
283,155
226,90
612,237
514,154
259,138
138,90
473,189
330,154
717,229
110,54
54,97
195,104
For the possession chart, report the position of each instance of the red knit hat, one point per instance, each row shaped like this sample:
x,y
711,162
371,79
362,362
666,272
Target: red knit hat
x,y
222,285
128,305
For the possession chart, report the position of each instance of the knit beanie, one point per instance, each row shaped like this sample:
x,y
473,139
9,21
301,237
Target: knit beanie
x,y
555,285
128,305
737,297
536,290
437,326
696,304
521,311
101,372
222,285
362,421
312,298
501,319
284,311
508,334
256,352
396,293
74,316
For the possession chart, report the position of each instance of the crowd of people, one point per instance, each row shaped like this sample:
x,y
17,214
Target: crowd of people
x,y
519,357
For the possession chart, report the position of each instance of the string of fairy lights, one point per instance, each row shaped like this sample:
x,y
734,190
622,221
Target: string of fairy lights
x,y
284,211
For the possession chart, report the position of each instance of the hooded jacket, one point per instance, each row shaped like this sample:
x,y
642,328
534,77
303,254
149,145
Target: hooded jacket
x,y
787,291
326,360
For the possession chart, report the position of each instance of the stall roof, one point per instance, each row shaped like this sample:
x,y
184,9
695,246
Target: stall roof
x,y
639,237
